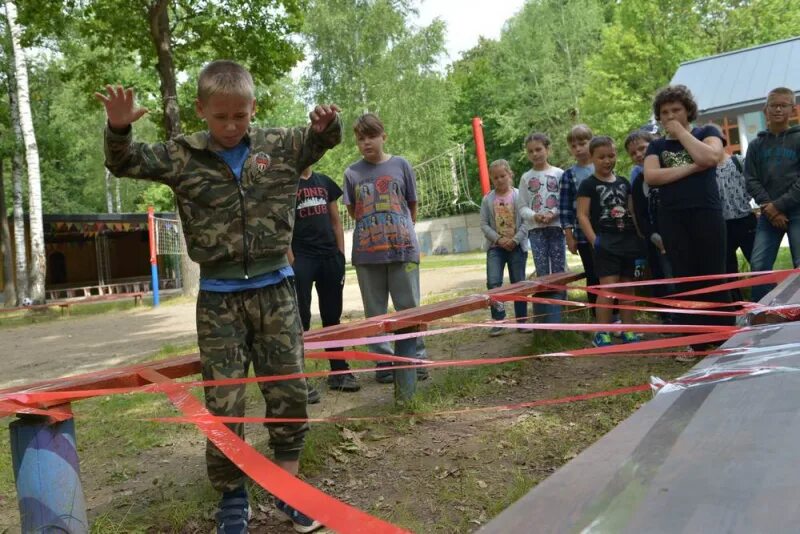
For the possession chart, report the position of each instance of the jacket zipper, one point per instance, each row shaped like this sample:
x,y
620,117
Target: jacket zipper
x,y
245,251
244,228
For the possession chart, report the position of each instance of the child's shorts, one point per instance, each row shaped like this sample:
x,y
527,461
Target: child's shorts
x,y
616,256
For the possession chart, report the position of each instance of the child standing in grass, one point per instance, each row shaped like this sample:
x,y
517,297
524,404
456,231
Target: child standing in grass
x,y
506,240
605,214
235,187
538,205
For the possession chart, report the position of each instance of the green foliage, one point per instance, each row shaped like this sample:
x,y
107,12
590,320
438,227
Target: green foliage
x,y
256,33
531,79
366,56
648,39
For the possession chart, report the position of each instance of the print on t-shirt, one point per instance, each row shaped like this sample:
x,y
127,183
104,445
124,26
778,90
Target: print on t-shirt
x,y
504,214
676,159
380,215
613,202
312,201
550,199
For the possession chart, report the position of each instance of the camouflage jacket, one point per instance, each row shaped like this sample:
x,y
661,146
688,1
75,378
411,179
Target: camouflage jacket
x,y
234,230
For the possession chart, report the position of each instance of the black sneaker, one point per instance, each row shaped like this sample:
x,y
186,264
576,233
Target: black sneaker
x,y
301,522
384,376
233,513
313,395
422,374
345,382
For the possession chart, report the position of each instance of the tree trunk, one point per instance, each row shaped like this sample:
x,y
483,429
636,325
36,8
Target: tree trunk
x,y
38,262
9,288
158,17
18,197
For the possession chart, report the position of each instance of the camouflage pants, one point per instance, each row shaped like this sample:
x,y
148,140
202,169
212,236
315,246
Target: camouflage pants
x,y
262,327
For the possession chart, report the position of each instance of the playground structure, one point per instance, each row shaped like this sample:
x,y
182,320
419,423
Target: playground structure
x,y
47,426
41,440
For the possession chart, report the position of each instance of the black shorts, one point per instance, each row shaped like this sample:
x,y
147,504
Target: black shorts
x,y
617,255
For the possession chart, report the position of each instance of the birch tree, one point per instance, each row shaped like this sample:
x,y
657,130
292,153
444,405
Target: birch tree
x,y
17,188
36,226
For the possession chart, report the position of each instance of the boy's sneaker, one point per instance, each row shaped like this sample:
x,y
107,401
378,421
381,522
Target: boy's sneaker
x,y
346,382
495,331
384,377
631,337
313,395
301,522
233,513
602,339
422,374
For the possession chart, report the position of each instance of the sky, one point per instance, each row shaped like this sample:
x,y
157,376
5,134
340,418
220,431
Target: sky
x,y
467,20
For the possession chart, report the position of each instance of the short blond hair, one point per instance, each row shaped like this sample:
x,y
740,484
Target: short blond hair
x,y
224,77
501,163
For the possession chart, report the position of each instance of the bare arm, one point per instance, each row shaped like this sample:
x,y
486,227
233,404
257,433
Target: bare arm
x,y
705,153
336,223
412,207
657,176
584,203
633,216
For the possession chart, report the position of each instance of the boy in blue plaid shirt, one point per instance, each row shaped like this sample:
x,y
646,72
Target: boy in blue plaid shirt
x,y
578,140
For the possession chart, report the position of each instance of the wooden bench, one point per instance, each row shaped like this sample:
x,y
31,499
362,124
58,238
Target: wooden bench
x,y
65,305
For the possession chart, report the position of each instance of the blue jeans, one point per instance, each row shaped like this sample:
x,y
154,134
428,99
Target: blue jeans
x,y
765,249
549,249
496,260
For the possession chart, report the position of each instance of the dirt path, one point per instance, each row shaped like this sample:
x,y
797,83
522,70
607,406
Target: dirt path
x,y
84,344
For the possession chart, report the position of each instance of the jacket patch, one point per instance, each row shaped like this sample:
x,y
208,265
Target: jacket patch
x,y
262,161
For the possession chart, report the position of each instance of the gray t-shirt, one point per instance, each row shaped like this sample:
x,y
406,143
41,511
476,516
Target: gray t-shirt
x,y
379,194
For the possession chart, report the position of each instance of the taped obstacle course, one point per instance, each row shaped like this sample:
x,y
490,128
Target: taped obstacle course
x,y
47,400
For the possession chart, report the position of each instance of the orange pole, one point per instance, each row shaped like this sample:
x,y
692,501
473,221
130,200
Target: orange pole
x,y
480,152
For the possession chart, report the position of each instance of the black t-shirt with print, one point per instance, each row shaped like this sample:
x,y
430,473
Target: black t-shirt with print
x,y
698,190
611,219
313,233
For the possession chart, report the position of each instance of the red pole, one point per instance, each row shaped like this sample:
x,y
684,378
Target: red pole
x,y
480,152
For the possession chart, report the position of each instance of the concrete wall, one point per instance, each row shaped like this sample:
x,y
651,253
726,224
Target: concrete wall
x,y
447,235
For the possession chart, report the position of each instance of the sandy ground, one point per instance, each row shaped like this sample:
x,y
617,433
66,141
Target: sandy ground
x,y
84,344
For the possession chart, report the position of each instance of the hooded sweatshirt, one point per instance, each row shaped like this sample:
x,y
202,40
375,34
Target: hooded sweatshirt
x,y
772,169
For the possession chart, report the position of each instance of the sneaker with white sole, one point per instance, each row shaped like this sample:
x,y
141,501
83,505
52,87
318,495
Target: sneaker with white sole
x,y
495,331
631,337
602,339
300,521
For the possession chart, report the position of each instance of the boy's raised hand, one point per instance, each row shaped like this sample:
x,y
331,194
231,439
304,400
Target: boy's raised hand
x,y
322,116
120,106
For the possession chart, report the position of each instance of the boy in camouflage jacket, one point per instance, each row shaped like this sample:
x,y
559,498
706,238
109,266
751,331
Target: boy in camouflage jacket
x,y
236,187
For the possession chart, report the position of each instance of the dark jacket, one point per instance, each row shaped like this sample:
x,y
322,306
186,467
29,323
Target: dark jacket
x,y
772,169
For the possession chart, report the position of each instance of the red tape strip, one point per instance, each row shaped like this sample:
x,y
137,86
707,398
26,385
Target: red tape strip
x,y
329,511
723,333
501,408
